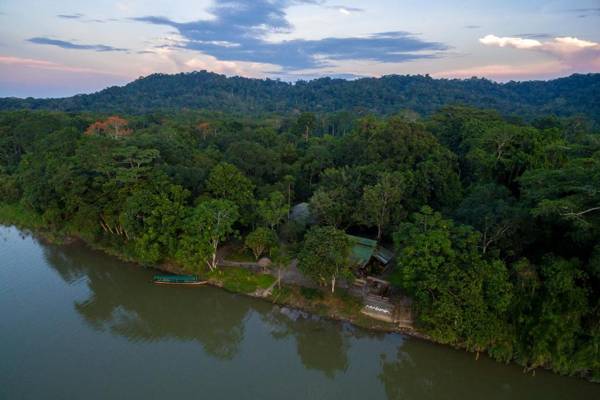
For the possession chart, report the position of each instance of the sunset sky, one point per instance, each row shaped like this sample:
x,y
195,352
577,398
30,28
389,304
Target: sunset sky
x,y
59,48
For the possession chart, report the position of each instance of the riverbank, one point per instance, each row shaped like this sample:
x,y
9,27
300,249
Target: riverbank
x,y
338,306
70,306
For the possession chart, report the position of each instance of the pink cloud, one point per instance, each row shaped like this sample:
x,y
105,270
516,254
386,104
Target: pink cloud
x,y
566,55
505,72
41,78
575,55
43,64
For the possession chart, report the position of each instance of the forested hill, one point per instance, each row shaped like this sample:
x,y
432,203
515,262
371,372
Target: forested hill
x,y
573,95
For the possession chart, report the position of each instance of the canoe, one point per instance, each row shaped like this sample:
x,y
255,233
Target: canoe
x,y
177,280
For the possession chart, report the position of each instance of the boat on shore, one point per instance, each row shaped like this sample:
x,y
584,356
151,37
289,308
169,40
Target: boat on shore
x,y
177,280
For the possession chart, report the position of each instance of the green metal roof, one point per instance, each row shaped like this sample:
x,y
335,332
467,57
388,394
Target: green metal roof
x,y
383,255
362,250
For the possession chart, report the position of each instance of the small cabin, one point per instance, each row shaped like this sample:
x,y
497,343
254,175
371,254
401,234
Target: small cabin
x,y
368,257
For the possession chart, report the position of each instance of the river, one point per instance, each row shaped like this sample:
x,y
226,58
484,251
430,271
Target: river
x,y
76,323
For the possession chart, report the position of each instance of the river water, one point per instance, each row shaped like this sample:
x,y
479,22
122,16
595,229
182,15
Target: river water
x,y
77,324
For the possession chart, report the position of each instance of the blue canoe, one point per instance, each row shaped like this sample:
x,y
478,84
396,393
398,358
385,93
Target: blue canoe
x,y
177,280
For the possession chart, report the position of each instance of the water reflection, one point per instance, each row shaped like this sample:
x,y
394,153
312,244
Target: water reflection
x,y
117,300
320,346
427,371
122,301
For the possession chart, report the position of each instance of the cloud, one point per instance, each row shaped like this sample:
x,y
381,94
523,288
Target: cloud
x,y
571,53
25,77
586,12
70,16
73,46
515,42
230,68
47,65
504,72
571,43
293,77
81,17
239,30
346,10
472,26
559,46
534,35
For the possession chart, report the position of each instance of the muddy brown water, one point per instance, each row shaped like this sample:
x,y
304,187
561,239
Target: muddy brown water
x,y
77,323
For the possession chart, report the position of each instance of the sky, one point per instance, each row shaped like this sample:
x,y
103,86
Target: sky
x,y
57,48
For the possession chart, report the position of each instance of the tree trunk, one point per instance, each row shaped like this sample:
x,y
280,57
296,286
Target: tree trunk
x,y
279,278
333,284
213,264
289,201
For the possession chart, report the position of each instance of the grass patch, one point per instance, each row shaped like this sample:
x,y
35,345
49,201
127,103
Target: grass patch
x,y
240,254
241,280
16,214
311,293
282,295
348,304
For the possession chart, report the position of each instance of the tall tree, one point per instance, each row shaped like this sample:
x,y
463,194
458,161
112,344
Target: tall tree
x,y
569,193
549,311
459,296
226,182
325,255
337,197
382,201
491,210
273,209
211,223
260,241
281,260
114,127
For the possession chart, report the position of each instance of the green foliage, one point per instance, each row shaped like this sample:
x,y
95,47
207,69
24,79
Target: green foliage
x,y
325,255
336,199
273,210
491,210
9,188
16,214
568,193
305,125
260,241
154,217
515,272
311,293
459,296
387,95
228,183
210,223
549,313
381,203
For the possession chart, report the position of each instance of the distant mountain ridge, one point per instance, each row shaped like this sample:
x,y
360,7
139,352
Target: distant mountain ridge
x,y
573,95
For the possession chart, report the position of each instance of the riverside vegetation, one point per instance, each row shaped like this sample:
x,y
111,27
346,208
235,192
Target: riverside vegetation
x,y
495,220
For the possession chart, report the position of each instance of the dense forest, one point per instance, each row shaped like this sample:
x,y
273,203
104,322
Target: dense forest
x,y
571,96
495,222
